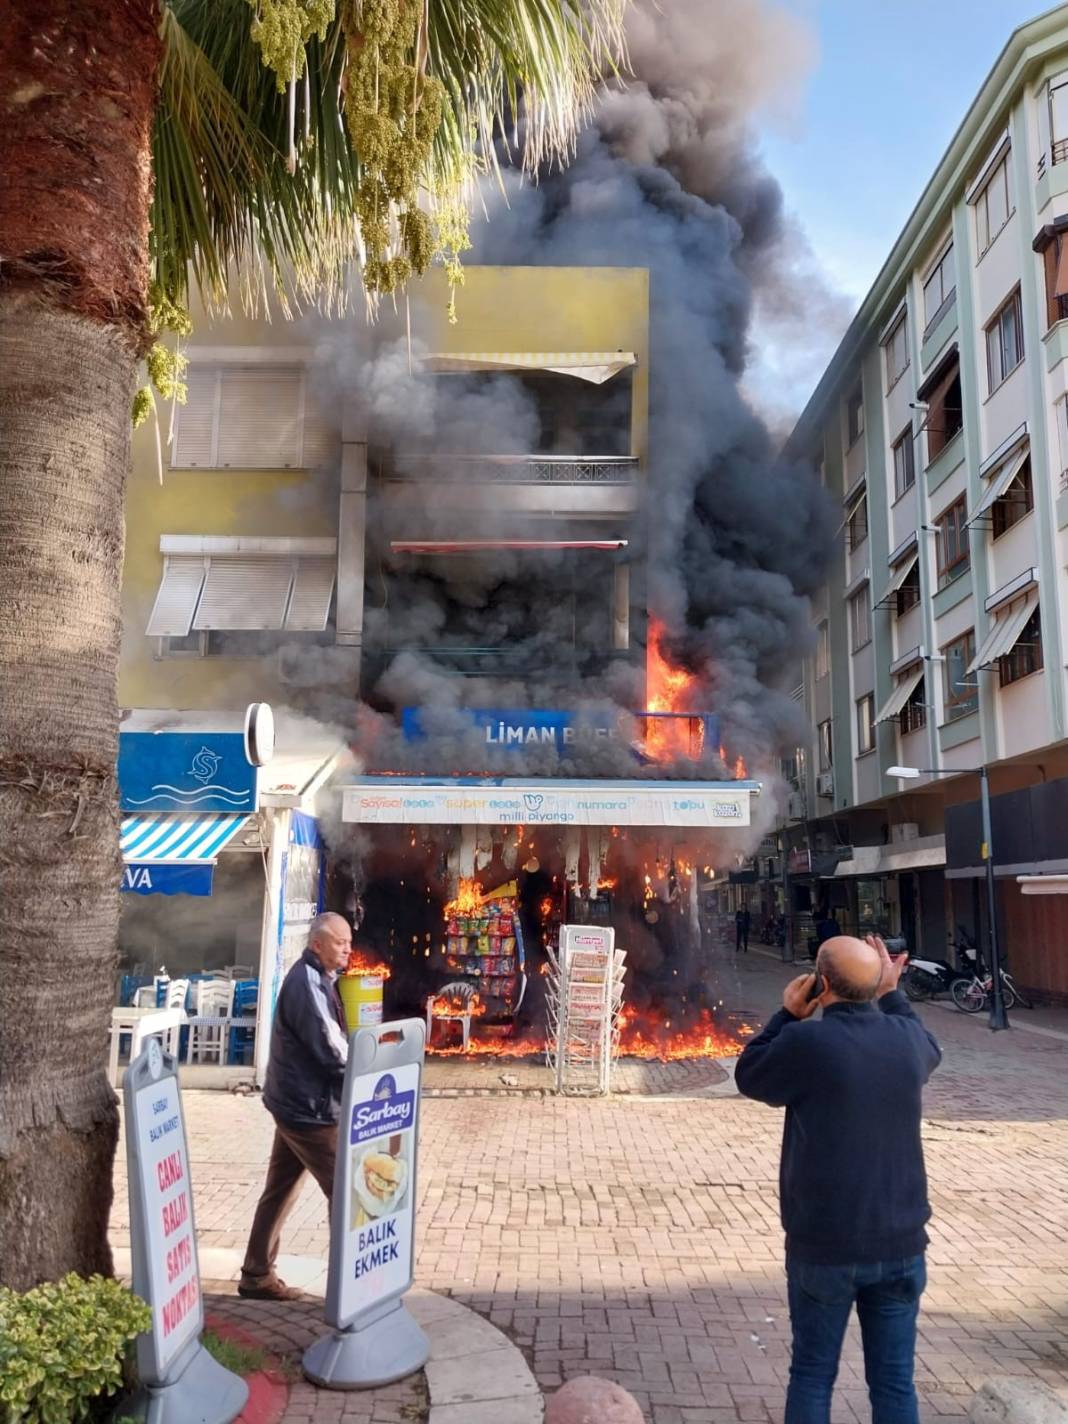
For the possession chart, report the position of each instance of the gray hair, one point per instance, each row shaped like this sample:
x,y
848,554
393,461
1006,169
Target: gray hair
x,y
327,921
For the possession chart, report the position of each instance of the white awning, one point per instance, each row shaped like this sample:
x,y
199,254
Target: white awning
x,y
1000,481
411,801
895,703
594,366
1005,632
901,573
921,854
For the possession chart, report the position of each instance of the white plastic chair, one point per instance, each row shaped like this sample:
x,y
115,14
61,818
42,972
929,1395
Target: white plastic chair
x,y
208,1029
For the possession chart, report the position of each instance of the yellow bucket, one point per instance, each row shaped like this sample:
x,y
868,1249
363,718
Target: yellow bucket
x,y
361,995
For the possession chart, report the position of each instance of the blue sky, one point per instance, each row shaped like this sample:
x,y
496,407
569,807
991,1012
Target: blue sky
x,y
891,82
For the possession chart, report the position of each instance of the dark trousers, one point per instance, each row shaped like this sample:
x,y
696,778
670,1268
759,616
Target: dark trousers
x,y
741,937
887,1297
296,1150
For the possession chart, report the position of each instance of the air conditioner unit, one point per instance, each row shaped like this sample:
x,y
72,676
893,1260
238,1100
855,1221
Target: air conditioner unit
x,y
795,807
907,831
825,783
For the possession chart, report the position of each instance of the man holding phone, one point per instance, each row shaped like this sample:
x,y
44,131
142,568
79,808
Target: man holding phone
x,y
853,1184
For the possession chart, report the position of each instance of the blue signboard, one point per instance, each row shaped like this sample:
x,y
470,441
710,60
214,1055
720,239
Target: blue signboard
x,y
153,877
514,728
185,771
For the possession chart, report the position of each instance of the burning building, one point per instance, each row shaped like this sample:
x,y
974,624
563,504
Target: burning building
x,y
541,568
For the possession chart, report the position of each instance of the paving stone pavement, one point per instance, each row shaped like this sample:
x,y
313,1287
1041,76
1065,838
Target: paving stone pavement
x,y
638,1238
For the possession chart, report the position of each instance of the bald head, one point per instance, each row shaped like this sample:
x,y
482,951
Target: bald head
x,y
851,968
330,939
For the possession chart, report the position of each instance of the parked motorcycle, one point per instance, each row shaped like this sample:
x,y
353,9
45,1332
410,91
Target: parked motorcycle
x,y
927,978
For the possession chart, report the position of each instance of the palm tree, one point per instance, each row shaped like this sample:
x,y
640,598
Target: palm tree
x,y
150,144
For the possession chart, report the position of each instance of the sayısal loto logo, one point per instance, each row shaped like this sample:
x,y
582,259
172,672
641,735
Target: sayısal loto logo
x,y
205,765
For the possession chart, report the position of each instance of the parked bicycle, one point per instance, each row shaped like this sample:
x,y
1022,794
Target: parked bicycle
x,y
972,995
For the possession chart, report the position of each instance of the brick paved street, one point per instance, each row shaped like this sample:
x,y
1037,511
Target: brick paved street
x,y
638,1237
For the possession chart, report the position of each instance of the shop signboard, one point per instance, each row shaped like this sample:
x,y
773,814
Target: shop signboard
x,y
800,861
185,771
154,877
181,1380
395,802
372,1224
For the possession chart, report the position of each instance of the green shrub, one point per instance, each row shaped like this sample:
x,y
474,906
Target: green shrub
x,y
62,1347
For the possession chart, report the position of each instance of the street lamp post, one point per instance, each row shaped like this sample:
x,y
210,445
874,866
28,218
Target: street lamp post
x,y
999,1018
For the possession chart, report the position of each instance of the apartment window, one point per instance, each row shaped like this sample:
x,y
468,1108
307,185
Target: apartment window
x,y
1004,342
1053,245
826,731
993,206
940,288
913,717
961,690
855,415
860,619
953,555
945,414
1025,656
252,418
908,594
1017,502
1058,119
904,463
823,650
866,724
857,524
896,349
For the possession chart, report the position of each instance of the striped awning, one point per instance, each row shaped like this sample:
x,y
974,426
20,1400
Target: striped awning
x,y
594,366
177,839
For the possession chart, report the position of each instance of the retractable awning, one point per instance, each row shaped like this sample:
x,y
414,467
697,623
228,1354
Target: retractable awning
x,y
895,703
901,573
173,855
999,482
421,801
1005,633
593,366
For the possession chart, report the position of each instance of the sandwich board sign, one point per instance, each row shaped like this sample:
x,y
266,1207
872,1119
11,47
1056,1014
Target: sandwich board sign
x,y
181,1382
374,1340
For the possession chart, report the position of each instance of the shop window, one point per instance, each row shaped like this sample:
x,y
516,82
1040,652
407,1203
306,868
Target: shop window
x,y
960,688
855,415
1004,342
913,716
904,463
939,288
866,724
857,524
953,554
896,352
1017,502
1025,657
860,619
908,595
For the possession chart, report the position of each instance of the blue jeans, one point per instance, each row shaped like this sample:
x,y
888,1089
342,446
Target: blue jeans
x,y
887,1297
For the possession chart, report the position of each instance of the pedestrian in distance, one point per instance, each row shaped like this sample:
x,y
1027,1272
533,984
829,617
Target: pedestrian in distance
x,y
852,1181
302,1092
741,930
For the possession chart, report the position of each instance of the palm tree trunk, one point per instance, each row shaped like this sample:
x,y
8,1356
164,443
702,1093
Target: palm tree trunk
x,y
78,97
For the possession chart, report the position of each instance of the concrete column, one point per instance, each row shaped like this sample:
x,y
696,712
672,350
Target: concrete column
x,y
278,822
621,609
351,547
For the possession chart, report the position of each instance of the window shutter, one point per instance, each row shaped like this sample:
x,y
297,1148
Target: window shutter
x,y
244,594
320,436
176,600
313,588
259,419
195,421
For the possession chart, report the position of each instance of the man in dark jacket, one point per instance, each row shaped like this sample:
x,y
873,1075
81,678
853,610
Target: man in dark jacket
x,y
302,1092
853,1185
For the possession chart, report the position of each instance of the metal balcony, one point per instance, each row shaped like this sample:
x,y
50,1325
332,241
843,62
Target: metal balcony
x,y
518,469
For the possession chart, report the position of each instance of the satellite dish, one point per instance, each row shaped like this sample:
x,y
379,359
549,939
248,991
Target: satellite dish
x,y
259,733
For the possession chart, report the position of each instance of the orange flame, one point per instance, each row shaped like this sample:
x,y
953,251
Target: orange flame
x,y
360,962
448,1008
546,907
469,899
666,691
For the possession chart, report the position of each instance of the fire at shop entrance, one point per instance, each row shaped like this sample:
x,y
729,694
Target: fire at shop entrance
x,y
462,917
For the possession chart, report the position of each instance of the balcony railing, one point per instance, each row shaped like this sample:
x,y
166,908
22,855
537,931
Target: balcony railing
x,y
1059,151
519,469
